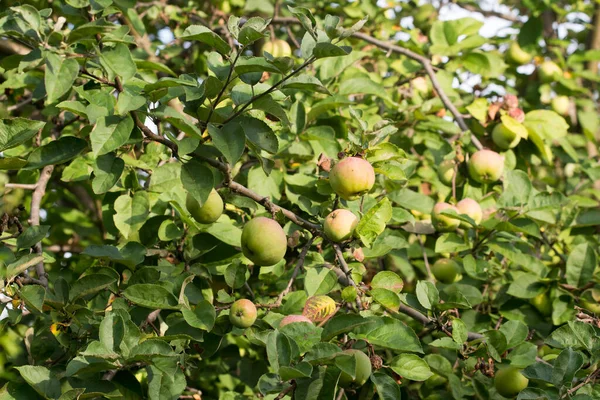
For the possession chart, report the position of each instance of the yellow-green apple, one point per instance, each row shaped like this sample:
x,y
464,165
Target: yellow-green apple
x,y
542,303
277,48
209,212
446,172
509,382
504,138
549,71
486,166
352,177
263,241
517,55
445,270
339,225
441,222
242,313
561,105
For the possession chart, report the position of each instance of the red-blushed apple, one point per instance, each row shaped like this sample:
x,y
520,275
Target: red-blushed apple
x,y
242,313
277,48
486,166
549,71
509,382
290,319
471,208
446,172
352,177
263,241
561,105
363,370
441,222
517,55
504,138
339,225
445,270
210,211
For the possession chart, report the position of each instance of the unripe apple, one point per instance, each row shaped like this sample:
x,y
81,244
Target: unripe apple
x,y
352,177
263,241
517,55
542,303
486,166
471,208
504,138
290,319
590,300
339,225
420,86
444,223
446,172
509,382
561,104
242,313
277,48
210,211
363,370
445,270
549,71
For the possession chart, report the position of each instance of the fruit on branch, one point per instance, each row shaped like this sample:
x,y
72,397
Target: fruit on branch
x,y
509,382
290,319
549,71
242,313
319,308
505,138
209,212
339,225
590,300
561,105
441,222
263,241
278,48
471,208
516,55
446,172
445,270
352,177
542,303
363,370
420,86
486,166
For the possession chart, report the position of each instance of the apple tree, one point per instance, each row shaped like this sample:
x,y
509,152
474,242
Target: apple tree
x,y
299,200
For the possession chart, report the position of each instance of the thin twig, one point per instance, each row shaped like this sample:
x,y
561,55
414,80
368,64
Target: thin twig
x,y
36,200
344,267
24,186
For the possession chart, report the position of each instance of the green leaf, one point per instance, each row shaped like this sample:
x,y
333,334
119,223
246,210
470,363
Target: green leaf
x,y
319,280
14,131
325,49
107,171
386,298
236,275
42,380
566,366
450,243
373,223
201,316
110,133
56,152
22,264
387,387
517,188
515,332
525,285
131,213
307,83
203,34
387,280
281,350
411,200
300,370
32,235
90,284
34,296
151,296
129,102
118,61
427,294
411,367
259,134
581,264
60,76
395,335
459,331
197,179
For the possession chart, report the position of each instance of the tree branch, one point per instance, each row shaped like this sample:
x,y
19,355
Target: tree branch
x,y
344,267
36,200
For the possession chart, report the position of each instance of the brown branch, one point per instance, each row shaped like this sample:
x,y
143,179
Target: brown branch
x,y
587,380
36,200
24,186
286,391
344,267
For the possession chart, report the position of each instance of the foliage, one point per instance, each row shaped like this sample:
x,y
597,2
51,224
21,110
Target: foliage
x,y
116,115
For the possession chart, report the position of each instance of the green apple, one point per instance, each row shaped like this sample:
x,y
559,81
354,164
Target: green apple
x,y
339,225
210,211
516,55
471,208
363,370
561,105
290,319
446,172
504,138
509,382
352,177
445,270
263,241
242,313
486,166
542,303
549,71
278,48
590,300
441,222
